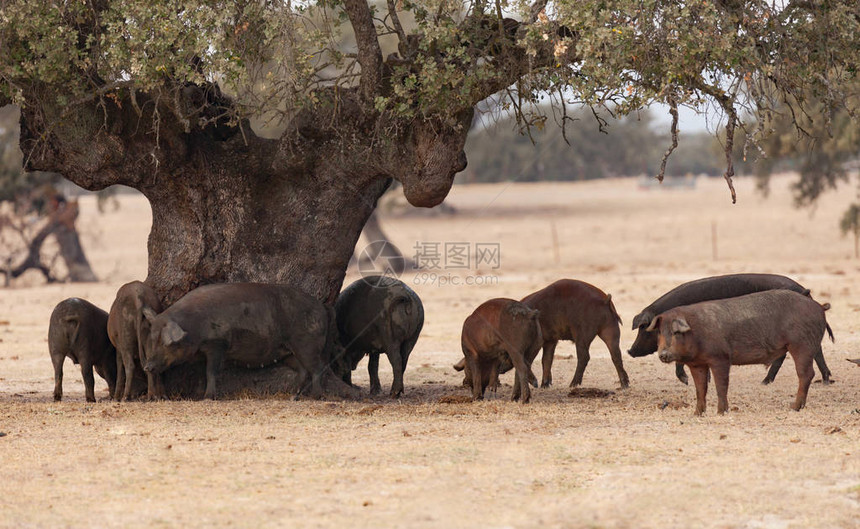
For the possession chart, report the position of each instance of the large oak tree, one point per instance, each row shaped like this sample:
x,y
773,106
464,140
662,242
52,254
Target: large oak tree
x,y
160,96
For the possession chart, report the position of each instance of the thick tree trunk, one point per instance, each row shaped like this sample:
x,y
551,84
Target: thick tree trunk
x,y
221,225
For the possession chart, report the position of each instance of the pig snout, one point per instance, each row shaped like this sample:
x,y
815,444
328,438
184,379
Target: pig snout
x,y
666,356
153,367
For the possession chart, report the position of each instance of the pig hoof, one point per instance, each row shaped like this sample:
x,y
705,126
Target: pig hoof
x,y
374,391
766,381
58,397
395,394
827,381
546,384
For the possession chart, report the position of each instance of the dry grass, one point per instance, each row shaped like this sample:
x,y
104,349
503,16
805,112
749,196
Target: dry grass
x,y
602,457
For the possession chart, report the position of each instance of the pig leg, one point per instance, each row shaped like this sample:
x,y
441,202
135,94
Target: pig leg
x,y
474,367
494,377
611,336
126,360
721,381
805,374
582,358
700,378
680,373
214,353
467,375
396,361
89,380
530,358
521,384
822,366
110,377
773,370
154,387
120,377
154,381
373,371
57,360
546,363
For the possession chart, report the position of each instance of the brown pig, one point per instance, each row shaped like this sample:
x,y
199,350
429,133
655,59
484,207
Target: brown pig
x,y
752,329
501,327
577,311
78,329
128,329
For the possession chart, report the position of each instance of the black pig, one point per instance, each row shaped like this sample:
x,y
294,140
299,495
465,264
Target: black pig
x,y
377,315
78,329
249,324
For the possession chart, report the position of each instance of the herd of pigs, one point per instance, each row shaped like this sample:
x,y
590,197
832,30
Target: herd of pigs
x,y
707,325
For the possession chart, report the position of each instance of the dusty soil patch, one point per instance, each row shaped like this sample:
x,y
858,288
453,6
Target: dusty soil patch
x,y
634,458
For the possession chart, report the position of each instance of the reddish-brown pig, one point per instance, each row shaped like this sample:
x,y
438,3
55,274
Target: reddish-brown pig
x,y
576,311
752,329
497,328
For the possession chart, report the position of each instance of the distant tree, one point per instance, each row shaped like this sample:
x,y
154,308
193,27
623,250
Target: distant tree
x,y
851,223
629,146
31,211
821,146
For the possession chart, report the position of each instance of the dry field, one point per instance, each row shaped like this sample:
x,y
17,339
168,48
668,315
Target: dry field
x,y
632,458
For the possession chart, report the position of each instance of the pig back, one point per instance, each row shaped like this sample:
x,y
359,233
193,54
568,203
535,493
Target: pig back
x,y
76,322
568,307
378,311
721,287
519,326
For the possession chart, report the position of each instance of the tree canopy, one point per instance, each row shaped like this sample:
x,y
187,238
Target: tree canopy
x,y
426,59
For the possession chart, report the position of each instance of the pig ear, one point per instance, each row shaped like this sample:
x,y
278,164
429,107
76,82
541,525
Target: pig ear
x,y
172,333
148,313
680,325
654,324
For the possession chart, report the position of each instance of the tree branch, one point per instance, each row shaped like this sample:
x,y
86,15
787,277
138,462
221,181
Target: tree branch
x,y
673,110
392,12
727,103
536,9
369,52
511,62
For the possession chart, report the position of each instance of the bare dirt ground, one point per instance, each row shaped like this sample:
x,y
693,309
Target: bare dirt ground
x,y
605,458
